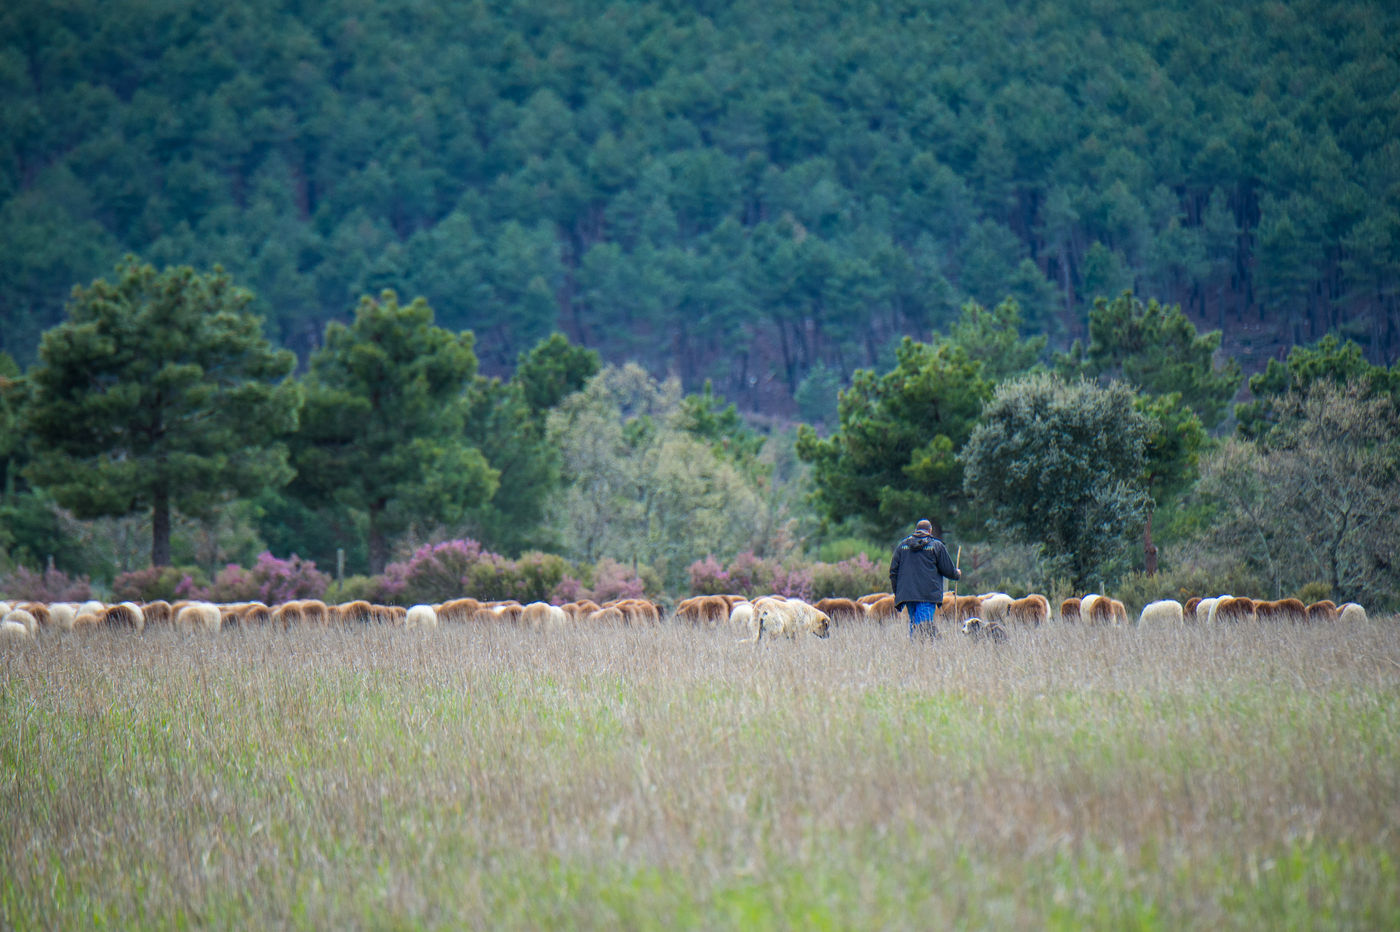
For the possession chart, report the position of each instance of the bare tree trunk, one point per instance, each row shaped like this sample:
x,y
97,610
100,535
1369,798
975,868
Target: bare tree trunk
x,y
1149,549
378,546
160,528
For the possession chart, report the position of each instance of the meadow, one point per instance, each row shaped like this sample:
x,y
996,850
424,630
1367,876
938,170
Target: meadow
x,y
492,776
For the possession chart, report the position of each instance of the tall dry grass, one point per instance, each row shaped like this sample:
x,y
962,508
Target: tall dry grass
x,y
494,777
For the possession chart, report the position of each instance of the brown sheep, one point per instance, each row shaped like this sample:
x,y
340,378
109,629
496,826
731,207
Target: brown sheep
x,y
610,617
881,610
458,611
158,612
40,612
1280,610
1235,610
288,615
509,611
704,610
1120,612
581,609
125,615
537,615
840,611
639,612
357,611
873,597
1095,609
1033,610
315,612
1069,609
1323,610
957,609
1188,610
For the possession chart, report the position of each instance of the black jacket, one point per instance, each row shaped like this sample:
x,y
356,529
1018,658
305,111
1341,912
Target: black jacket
x,y
916,572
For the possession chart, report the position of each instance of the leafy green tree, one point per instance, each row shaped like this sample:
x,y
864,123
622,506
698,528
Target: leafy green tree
x,y
895,453
1060,465
707,417
1156,349
159,392
552,370
638,488
992,336
1328,360
383,427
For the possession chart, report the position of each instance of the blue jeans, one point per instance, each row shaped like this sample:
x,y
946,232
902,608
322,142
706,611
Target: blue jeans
x,y
921,613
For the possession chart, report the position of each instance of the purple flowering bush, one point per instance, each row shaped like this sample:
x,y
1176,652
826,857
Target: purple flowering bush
x,y
159,582
614,580
52,585
447,570
271,580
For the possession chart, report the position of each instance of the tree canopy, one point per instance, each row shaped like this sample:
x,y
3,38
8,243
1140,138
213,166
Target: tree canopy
x,y
742,192
1060,465
383,423
159,392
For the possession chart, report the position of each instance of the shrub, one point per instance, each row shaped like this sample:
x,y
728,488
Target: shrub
x,y
52,585
792,582
354,588
751,575
708,577
536,575
444,571
568,589
848,578
613,580
278,580
157,582
1314,592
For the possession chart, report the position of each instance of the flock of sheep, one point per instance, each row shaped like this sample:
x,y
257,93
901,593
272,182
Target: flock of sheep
x,y
978,616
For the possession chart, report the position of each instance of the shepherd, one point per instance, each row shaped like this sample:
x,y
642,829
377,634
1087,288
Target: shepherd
x,y
917,570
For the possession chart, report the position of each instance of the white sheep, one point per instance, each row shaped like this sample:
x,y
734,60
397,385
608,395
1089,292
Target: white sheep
x,y
204,615
1351,613
421,616
92,607
741,615
20,617
1212,609
14,632
995,606
1162,612
61,615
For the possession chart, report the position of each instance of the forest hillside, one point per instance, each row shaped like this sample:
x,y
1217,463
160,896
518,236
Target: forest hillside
x,y
757,194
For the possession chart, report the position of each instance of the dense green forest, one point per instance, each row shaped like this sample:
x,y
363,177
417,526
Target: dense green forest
x,y
764,195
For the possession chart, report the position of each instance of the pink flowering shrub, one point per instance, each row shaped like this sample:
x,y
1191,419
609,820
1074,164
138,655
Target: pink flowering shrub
x,y
271,580
51,585
448,570
568,589
709,577
158,582
613,580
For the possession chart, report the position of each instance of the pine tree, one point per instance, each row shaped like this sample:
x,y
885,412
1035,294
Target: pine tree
x,y
159,393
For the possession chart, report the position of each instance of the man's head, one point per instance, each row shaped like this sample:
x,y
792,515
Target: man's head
x,y
925,526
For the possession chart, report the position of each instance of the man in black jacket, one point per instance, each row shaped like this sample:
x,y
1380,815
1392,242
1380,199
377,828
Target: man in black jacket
x,y
916,576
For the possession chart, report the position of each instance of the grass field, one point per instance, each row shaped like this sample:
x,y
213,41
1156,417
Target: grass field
x,y
491,777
